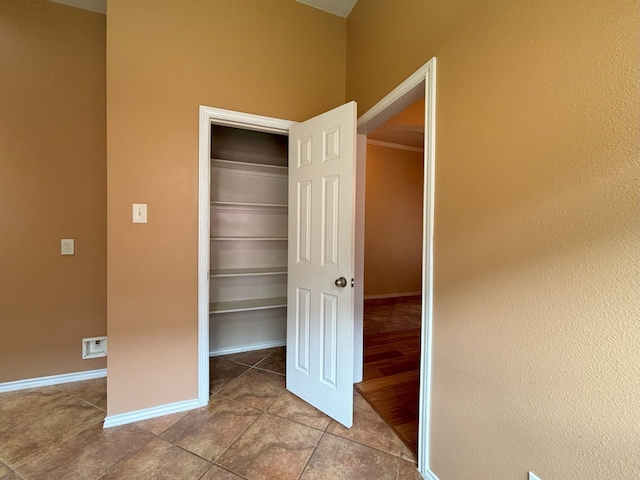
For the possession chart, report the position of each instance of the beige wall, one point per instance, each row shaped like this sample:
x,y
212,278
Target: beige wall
x,y
393,221
164,59
52,186
536,362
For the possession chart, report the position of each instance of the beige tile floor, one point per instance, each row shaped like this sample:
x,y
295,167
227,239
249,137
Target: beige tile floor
x,y
252,429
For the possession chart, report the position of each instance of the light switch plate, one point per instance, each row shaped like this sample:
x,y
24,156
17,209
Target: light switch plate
x,y
67,246
533,476
139,213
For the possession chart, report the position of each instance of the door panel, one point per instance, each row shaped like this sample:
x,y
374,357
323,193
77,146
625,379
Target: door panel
x,y
321,233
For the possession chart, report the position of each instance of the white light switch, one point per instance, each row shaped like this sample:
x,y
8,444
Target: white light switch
x,y
139,213
67,246
533,476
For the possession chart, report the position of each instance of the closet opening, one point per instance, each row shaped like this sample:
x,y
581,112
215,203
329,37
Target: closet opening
x,y
248,253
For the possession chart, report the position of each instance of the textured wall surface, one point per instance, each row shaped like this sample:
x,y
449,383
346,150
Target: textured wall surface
x,y
536,359
52,186
164,59
393,221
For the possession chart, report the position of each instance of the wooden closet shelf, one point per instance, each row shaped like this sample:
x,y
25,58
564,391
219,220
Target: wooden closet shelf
x,y
247,305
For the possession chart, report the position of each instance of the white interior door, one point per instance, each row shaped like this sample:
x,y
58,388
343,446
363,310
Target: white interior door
x,y
321,262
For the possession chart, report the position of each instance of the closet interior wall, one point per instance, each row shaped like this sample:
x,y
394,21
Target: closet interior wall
x,y
248,247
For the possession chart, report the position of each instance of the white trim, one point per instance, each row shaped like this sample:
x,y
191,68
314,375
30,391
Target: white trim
x,y
245,348
397,146
397,100
358,258
391,295
248,121
204,204
419,84
52,380
429,475
147,413
424,408
218,116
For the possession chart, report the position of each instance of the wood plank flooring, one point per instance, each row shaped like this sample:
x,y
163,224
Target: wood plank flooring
x,y
392,363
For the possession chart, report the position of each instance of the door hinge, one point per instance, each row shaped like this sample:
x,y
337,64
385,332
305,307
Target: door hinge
x,y
352,283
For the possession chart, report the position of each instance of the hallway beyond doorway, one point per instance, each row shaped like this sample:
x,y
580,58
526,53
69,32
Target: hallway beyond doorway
x,y
392,363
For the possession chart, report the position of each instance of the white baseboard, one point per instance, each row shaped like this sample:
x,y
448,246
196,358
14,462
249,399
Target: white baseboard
x,y
391,295
52,380
247,348
147,413
430,475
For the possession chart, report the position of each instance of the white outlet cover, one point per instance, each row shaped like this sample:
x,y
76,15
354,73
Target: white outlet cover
x,y
533,476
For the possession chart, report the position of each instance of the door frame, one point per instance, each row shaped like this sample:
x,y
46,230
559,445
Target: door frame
x,y
420,83
216,116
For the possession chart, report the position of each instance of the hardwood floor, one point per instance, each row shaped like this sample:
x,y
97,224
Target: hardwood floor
x,y
392,363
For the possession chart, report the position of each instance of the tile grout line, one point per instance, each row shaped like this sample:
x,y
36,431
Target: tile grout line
x,y
311,456
127,457
275,414
250,367
263,412
234,442
398,466
80,398
217,392
31,459
368,446
159,438
225,469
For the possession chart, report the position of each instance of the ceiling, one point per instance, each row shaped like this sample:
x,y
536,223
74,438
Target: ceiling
x,y
341,8
98,6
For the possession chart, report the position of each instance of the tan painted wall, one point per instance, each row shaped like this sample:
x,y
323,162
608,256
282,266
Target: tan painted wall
x,y
164,59
393,221
52,186
537,235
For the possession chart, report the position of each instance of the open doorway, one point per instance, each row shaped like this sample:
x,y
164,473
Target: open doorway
x,y
420,85
393,270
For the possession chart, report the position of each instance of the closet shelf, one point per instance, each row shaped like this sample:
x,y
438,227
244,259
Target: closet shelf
x,y
248,272
251,239
250,168
247,305
251,205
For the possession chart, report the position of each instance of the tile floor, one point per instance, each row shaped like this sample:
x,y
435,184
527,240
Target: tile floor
x,y
252,429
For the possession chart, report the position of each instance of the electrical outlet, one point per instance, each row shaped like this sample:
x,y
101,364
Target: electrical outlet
x,y
139,213
67,246
533,476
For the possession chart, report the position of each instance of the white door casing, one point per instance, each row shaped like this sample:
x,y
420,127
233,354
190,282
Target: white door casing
x,y
320,326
